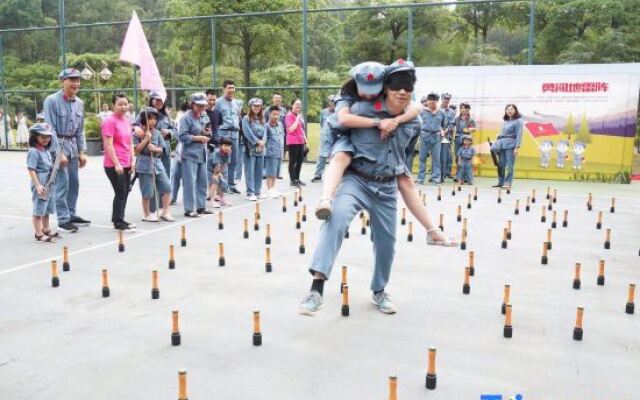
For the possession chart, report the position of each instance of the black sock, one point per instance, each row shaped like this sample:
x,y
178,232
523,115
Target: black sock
x,y
379,291
318,285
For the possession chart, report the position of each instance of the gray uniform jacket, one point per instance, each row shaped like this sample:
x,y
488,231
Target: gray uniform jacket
x,y
66,118
230,111
253,131
432,123
192,126
143,160
275,140
510,136
376,157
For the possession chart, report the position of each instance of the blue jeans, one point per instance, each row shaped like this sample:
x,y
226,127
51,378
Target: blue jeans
x,y
445,159
253,168
234,159
242,159
67,188
194,185
456,147
506,163
320,164
430,145
465,171
355,194
176,176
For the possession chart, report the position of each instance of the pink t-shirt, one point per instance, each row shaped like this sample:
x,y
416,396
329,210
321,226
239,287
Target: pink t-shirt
x,y
119,129
297,136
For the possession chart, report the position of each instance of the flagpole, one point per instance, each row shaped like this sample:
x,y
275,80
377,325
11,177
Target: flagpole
x,y
135,89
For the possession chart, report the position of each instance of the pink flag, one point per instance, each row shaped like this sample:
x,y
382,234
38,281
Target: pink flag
x,y
135,49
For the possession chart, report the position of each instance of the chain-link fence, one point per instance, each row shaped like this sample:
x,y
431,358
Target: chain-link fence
x,y
426,32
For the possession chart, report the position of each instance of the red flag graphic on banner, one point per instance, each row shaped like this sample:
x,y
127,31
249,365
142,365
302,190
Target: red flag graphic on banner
x,y
541,129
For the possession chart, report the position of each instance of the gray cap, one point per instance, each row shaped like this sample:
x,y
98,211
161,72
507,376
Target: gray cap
x,y
41,128
369,77
399,66
255,102
155,95
199,99
446,96
68,73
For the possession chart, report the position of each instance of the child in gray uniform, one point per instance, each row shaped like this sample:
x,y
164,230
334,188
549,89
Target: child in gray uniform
x,y
465,157
149,166
40,166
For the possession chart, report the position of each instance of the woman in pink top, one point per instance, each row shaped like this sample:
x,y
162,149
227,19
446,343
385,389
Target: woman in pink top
x,y
118,158
296,141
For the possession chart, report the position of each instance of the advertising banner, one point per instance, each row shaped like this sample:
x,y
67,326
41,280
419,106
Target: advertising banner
x,y
579,120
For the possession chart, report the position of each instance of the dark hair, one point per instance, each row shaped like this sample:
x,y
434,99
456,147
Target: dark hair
x,y
294,101
349,88
272,109
145,116
162,111
228,82
33,140
226,141
211,91
184,106
515,116
117,96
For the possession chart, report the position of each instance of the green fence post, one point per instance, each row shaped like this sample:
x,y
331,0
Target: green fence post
x,y
213,52
4,100
532,22
63,49
410,34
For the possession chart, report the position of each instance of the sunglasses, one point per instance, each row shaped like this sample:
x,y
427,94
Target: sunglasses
x,y
397,86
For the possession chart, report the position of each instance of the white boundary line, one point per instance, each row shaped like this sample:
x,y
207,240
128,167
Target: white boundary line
x,y
136,235
92,224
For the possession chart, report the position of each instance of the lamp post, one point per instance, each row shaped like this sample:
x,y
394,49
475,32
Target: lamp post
x,y
87,73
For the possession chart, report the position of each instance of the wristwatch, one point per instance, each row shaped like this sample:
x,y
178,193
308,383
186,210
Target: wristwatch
x,y
376,123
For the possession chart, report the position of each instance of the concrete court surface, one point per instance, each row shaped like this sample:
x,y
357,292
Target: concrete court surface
x,y
70,343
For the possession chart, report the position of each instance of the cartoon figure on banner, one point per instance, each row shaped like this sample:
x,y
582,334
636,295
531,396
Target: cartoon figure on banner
x,y
545,153
578,159
561,150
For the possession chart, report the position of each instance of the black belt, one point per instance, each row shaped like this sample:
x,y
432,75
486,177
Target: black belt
x,y
506,137
373,178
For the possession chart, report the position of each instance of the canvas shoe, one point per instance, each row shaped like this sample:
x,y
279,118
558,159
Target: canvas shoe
x,y
384,303
311,303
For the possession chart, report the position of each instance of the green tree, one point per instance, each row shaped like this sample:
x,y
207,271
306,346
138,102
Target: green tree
x,y
570,130
584,133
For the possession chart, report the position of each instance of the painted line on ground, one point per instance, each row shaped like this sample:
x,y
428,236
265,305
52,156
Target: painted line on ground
x,y
132,236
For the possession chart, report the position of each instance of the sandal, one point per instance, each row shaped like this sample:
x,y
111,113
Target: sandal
x,y
44,239
447,242
53,235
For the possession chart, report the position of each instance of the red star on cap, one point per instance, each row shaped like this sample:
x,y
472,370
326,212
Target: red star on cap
x,y
370,76
401,61
378,105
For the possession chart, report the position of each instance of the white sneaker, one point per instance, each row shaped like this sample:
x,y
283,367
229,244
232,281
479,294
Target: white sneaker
x,y
151,218
262,196
252,197
384,303
215,204
275,193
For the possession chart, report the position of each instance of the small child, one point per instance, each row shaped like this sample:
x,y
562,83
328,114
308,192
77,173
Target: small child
x,y
148,150
465,155
217,163
365,84
40,166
